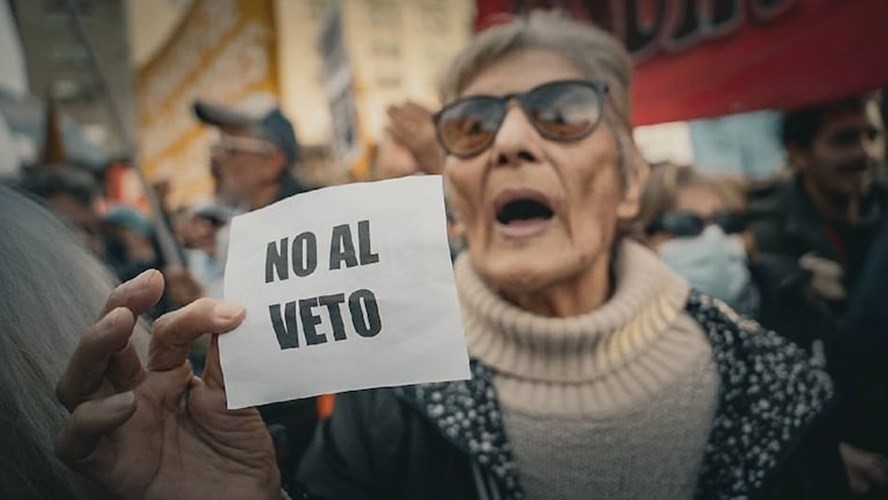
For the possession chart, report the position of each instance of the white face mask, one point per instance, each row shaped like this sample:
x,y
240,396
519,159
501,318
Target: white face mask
x,y
713,262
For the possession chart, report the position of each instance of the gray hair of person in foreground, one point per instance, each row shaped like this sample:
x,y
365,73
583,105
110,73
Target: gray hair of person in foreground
x,y
52,291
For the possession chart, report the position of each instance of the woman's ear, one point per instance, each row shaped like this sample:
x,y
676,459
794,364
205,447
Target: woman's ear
x,y
636,180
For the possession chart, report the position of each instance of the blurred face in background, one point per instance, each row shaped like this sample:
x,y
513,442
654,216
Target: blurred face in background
x,y
83,219
203,233
182,226
701,238
539,215
845,153
244,166
696,199
138,247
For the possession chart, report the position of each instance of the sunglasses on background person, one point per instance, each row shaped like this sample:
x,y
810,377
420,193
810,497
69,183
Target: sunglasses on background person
x,y
566,110
686,224
230,144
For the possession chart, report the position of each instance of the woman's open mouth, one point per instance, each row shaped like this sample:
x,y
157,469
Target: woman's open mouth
x,y
523,213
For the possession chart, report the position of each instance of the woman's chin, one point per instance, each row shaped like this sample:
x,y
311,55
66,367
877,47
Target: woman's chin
x,y
511,275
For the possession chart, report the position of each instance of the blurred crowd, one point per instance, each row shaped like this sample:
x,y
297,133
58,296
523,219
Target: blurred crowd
x,y
804,255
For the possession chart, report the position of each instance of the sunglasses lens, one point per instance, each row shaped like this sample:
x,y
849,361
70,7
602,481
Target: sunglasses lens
x,y
730,223
681,224
564,110
467,127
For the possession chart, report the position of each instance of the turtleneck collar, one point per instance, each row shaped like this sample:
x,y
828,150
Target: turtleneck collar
x,y
638,329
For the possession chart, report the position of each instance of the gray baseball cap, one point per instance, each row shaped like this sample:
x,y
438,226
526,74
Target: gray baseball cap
x,y
259,113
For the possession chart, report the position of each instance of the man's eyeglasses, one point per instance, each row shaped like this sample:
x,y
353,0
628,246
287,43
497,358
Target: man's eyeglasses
x,y
229,144
686,224
566,110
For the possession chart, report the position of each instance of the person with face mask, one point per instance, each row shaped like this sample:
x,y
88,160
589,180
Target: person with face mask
x,y
696,223
699,225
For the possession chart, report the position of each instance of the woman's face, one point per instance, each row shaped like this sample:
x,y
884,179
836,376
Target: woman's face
x,y
537,213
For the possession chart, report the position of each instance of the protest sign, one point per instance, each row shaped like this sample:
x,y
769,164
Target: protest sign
x,y
345,288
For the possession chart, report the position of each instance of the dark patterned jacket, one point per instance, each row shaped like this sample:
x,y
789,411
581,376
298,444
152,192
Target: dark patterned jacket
x,y
771,437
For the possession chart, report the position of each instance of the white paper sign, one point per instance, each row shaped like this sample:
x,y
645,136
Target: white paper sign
x,y
345,288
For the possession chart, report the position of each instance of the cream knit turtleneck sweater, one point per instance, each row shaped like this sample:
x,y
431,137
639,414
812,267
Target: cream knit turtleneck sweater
x,y
616,403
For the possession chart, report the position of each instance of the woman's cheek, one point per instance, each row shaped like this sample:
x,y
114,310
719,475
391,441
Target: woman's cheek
x,y
463,200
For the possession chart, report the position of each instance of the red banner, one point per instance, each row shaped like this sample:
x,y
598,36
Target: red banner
x,y
704,58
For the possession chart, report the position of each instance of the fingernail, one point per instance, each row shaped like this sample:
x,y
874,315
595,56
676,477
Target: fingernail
x,y
120,402
154,274
140,280
227,311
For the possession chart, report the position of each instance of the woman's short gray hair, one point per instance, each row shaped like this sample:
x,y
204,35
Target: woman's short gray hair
x,y
53,290
594,51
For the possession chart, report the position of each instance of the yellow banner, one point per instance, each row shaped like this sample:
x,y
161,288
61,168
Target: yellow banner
x,y
222,51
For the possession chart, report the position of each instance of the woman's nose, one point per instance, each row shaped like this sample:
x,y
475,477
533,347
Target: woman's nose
x,y
517,141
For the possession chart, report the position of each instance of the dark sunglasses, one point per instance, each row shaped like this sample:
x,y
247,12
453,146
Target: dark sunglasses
x,y
566,110
684,224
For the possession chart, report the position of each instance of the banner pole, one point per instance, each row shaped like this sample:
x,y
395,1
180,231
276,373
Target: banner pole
x,y
170,248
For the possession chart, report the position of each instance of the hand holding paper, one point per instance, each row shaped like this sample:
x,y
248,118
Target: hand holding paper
x,y
133,428
382,312
345,288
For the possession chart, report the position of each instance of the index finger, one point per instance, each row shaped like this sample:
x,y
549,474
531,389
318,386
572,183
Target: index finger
x,y
85,373
138,294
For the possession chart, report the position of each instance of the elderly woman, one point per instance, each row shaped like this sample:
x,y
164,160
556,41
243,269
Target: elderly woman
x,y
596,372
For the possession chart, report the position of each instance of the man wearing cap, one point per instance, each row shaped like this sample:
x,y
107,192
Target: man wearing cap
x,y
252,164
255,154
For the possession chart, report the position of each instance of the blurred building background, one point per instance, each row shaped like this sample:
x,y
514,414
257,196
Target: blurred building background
x,y
114,80
58,69
334,65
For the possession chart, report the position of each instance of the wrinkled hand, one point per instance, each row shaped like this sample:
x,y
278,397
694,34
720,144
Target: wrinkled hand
x,y
410,124
865,470
159,431
182,289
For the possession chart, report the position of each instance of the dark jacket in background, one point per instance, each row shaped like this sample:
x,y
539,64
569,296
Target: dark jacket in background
x,y
864,379
853,332
786,226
